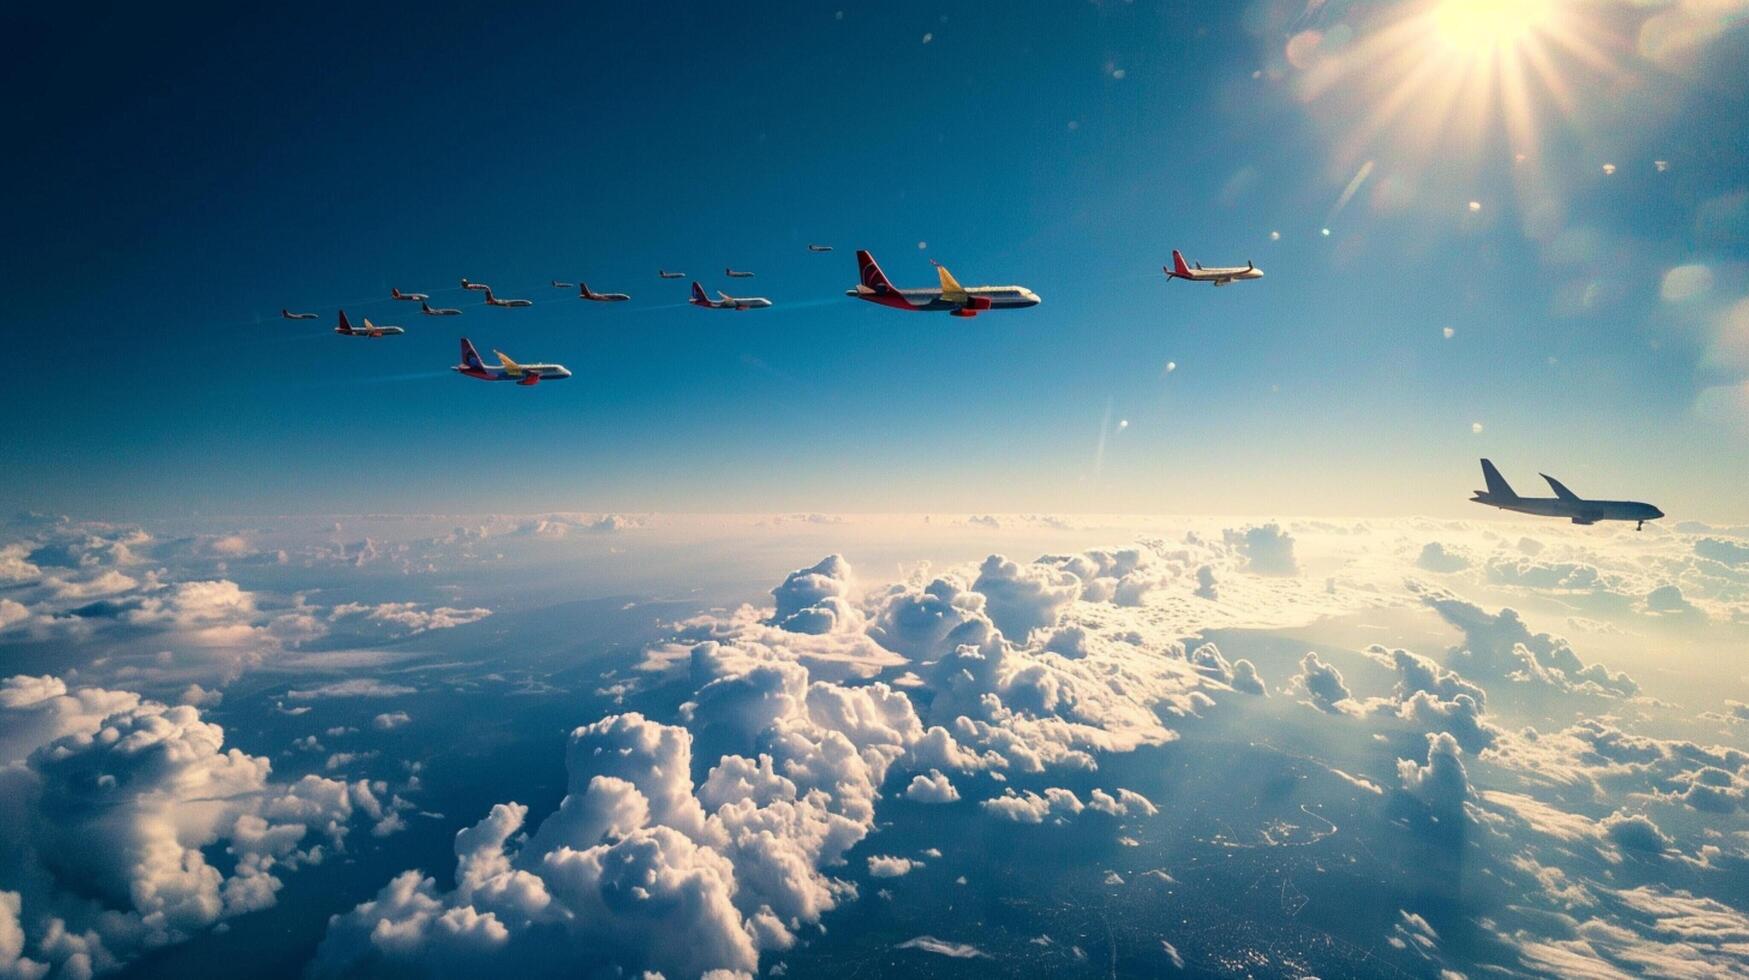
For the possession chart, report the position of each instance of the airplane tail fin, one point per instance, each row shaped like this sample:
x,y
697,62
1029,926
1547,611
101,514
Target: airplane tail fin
x,y
345,324
1497,485
698,296
872,276
1179,268
582,289
471,357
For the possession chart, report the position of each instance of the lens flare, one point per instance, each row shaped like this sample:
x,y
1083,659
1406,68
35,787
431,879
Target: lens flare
x,y
1481,28
1449,78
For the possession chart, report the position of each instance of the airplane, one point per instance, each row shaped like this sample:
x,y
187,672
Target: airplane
x,y
410,297
527,375
1565,503
346,329
426,309
665,274
732,274
584,292
1220,277
561,285
961,300
495,301
474,285
725,301
289,315
819,248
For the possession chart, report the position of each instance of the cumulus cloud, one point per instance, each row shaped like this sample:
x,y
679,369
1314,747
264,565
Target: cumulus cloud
x,y
1442,783
1022,598
639,869
1437,557
1501,645
931,787
889,866
1268,549
139,793
1322,685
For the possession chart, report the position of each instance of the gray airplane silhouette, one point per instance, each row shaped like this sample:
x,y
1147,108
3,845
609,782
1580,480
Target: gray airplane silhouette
x,y
1565,503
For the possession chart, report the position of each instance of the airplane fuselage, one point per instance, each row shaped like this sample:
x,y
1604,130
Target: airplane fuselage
x,y
1578,511
540,372
1220,277
933,300
371,330
735,303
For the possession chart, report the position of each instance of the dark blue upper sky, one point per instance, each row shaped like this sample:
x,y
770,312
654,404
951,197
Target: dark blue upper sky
x,y
180,175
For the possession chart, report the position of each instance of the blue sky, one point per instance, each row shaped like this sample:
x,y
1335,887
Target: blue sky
x,y
187,173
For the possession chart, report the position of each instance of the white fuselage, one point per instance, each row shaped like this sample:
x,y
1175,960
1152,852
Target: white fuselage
x,y
1221,277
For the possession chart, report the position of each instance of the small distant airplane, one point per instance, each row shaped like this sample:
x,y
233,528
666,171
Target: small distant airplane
x,y
466,284
410,297
584,292
526,375
1220,277
495,301
561,285
960,300
346,329
727,302
819,248
733,274
665,274
426,309
289,315
1565,503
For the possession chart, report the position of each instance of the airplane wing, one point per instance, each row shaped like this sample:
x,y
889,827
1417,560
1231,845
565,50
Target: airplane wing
x,y
509,365
529,381
951,290
1561,491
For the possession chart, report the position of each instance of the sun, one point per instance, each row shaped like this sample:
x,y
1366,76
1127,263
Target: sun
x,y
1484,28
1454,79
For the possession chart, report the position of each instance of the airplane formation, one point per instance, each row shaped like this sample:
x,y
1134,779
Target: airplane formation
x,y
958,300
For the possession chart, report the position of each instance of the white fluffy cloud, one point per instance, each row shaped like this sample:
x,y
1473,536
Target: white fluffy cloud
x,y
111,803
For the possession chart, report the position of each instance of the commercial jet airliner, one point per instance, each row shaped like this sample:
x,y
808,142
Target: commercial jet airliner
x,y
409,297
584,292
665,274
526,375
512,303
726,302
951,296
1565,503
734,273
289,315
429,310
1220,277
346,329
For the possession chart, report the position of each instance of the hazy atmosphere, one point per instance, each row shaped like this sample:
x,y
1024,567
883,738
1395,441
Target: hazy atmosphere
x,y
1076,489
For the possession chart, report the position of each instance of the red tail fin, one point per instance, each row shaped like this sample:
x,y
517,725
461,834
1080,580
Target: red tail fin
x,y
698,295
345,324
1178,266
872,276
471,357
583,289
